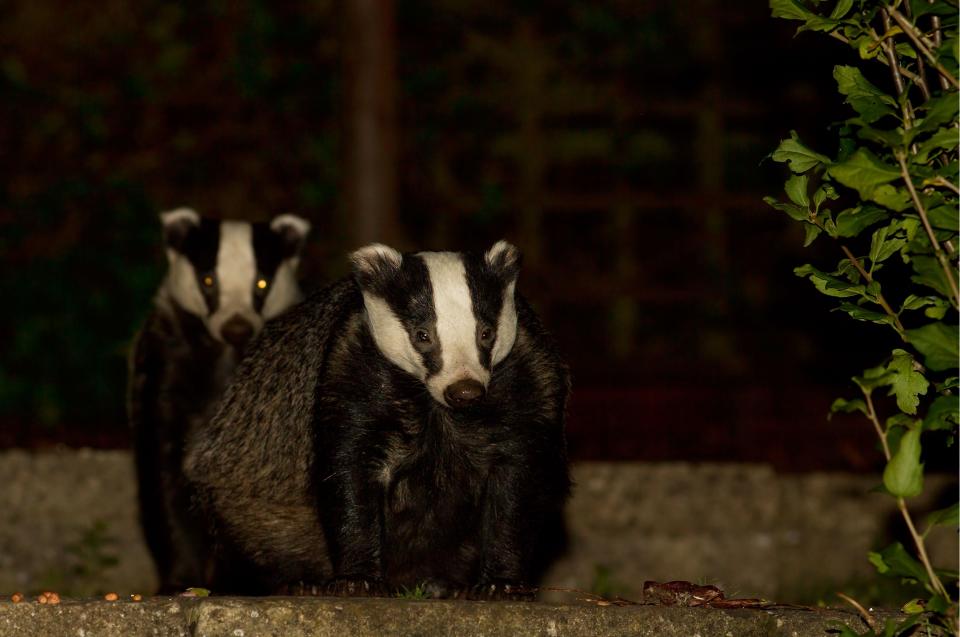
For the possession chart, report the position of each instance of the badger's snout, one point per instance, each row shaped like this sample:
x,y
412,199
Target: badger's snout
x,y
237,331
463,393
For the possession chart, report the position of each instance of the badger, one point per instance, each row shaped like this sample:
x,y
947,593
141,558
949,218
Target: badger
x,y
224,280
403,427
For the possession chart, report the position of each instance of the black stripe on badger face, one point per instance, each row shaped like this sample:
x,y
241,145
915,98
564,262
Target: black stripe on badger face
x,y
486,293
200,244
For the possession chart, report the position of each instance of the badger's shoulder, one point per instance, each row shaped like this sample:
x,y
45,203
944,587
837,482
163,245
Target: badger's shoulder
x,y
260,435
534,370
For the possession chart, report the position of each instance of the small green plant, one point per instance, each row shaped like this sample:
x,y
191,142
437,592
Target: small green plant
x,y
417,592
888,197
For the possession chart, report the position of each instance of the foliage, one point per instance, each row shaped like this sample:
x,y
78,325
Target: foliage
x,y
420,591
888,197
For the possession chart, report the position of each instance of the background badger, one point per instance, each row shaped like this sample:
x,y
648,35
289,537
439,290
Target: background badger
x,y
401,427
225,279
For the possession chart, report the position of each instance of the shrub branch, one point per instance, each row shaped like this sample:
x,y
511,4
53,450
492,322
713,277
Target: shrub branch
x,y
918,541
918,41
937,250
897,325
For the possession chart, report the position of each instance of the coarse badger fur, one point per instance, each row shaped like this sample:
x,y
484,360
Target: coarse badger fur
x,y
403,427
225,279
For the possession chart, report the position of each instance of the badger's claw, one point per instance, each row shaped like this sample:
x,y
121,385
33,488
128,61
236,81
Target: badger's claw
x,y
354,586
502,590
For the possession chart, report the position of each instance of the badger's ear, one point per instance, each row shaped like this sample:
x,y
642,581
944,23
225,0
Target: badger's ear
x,y
293,230
375,264
504,259
177,225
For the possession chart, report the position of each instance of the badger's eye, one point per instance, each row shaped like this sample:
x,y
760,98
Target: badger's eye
x,y
485,334
208,281
262,284
422,336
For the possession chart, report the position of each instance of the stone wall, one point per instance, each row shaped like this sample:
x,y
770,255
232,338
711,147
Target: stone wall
x,y
67,514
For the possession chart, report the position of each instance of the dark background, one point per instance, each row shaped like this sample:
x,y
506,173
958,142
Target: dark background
x,y
620,144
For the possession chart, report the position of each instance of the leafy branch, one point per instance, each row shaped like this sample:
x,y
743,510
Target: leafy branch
x,y
896,173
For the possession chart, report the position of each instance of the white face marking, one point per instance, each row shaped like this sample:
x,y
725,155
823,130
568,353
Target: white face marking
x,y
391,337
284,291
456,324
236,269
182,285
506,325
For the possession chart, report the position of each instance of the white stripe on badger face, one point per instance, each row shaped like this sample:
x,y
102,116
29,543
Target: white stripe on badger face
x,y
236,269
456,324
391,336
284,291
181,284
506,325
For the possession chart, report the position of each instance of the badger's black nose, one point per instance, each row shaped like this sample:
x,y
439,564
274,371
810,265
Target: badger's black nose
x,y
463,393
236,331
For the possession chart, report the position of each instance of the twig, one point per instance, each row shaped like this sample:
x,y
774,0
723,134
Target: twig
x,y
882,301
872,415
889,52
937,39
870,620
902,504
917,38
935,582
941,181
944,263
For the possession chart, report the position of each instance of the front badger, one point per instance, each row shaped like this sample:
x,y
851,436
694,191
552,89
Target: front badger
x,y
402,427
224,280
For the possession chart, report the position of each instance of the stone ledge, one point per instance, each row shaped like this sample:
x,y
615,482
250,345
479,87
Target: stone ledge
x,y
322,617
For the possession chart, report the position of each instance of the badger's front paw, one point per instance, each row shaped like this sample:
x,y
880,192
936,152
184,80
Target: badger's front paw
x,y
495,590
354,586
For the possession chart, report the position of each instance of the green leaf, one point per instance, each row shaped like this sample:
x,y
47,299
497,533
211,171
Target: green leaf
x,y
903,475
927,271
882,247
863,172
842,8
906,383
790,9
913,607
796,189
863,314
943,139
853,221
938,342
897,199
945,517
824,192
841,405
795,211
894,561
829,285
872,378
798,157
914,302
892,138
945,217
938,111
944,413
865,98
923,7
811,232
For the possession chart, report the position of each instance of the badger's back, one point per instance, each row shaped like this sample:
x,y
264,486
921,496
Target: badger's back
x,y
252,464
